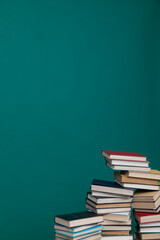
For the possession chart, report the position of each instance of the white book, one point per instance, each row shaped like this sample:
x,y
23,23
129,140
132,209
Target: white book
x,y
99,200
128,163
149,230
128,168
153,224
121,216
103,194
138,186
130,237
81,233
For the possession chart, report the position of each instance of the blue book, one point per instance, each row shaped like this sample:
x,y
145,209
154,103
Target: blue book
x,y
110,187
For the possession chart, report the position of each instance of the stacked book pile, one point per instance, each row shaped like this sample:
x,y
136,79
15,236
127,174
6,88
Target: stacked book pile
x,y
146,205
114,203
82,225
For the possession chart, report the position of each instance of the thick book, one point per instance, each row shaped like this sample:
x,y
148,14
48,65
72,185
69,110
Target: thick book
x,y
146,196
137,186
80,233
146,217
78,219
116,233
116,223
108,195
107,186
153,174
123,155
146,205
128,163
108,205
107,210
90,236
121,177
130,237
121,216
75,229
130,168
103,200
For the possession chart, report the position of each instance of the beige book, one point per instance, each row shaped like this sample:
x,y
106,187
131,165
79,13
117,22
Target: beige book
x,y
147,210
153,174
107,210
108,205
104,233
117,217
147,236
146,196
117,228
147,205
116,223
125,179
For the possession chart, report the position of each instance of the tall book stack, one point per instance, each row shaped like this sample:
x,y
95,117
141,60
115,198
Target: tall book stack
x,y
146,205
114,203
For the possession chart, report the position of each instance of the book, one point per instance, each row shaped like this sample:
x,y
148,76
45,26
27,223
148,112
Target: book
x,y
147,236
146,196
123,155
149,230
80,233
137,186
107,210
128,163
87,236
108,205
153,174
117,228
107,186
78,219
108,195
100,200
130,237
130,168
121,177
75,229
146,217
147,210
153,224
121,216
116,223
146,205
116,233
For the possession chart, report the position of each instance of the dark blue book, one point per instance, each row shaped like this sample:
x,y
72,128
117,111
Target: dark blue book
x,y
78,219
110,187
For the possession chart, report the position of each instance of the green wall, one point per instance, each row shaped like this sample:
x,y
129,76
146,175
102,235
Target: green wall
x,y
75,77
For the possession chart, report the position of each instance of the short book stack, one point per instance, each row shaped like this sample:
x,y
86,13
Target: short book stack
x,y
82,225
114,203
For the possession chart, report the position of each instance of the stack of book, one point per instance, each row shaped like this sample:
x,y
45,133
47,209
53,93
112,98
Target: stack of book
x,y
146,205
82,225
114,203
126,161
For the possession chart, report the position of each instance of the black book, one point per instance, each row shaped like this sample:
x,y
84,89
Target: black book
x,y
78,219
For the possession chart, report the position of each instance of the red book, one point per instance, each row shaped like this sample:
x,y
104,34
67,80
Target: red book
x,y
123,155
147,217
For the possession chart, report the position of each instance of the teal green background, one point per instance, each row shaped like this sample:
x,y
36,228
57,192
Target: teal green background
x,y
76,76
